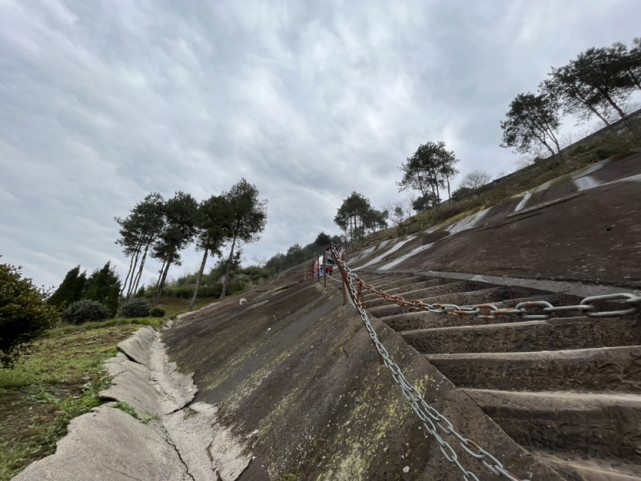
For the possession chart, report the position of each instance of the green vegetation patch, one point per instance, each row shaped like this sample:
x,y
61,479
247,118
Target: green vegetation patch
x,y
60,379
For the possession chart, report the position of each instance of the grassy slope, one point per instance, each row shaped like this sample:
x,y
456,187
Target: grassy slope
x,y
59,380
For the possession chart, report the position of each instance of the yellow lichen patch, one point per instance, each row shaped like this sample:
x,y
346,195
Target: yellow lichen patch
x,y
254,381
460,216
352,467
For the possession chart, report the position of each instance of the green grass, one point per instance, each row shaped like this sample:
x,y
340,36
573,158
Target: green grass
x,y
174,305
58,380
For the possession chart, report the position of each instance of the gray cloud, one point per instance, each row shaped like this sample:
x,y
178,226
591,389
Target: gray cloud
x,y
104,102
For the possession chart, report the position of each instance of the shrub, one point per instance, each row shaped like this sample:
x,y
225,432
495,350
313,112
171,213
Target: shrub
x,y
23,314
83,311
136,307
157,312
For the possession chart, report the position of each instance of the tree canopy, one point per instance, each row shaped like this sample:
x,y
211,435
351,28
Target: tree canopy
x,y
356,216
178,231
475,179
247,219
23,314
138,231
70,290
531,120
597,83
103,286
213,221
430,168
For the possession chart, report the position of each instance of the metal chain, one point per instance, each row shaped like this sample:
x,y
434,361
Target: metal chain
x,y
523,310
433,420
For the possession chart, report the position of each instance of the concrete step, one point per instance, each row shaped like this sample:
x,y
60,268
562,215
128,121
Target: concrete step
x,y
455,289
616,369
423,284
448,294
581,469
386,283
407,321
551,335
597,426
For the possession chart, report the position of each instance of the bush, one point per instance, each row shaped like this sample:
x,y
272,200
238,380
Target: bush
x,y
157,312
136,307
23,314
83,311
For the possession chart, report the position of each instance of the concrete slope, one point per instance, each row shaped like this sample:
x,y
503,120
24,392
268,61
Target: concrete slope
x,y
294,372
585,227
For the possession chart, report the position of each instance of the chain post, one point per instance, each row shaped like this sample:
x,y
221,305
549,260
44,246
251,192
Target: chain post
x,y
325,269
343,280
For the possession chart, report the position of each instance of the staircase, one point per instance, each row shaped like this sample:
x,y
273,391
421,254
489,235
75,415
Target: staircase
x,y
568,388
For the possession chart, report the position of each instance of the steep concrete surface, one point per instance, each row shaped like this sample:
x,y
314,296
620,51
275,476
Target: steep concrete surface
x,y
294,373
571,229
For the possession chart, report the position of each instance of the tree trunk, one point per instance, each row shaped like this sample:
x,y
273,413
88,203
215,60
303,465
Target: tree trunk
x,y
624,117
229,261
132,267
139,274
160,273
200,276
542,140
161,283
581,98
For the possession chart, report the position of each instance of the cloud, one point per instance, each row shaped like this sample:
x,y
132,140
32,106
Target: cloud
x,y
105,102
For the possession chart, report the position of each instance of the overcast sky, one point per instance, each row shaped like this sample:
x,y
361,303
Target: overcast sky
x,y
103,102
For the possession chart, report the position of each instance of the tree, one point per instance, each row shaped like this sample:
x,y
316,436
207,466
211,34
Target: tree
x,y
213,223
632,63
103,286
401,210
431,167
138,232
178,231
296,254
475,179
356,216
322,240
598,82
532,120
70,289
247,216
425,202
23,314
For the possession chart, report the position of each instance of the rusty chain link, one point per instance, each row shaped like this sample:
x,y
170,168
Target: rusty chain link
x,y
433,421
523,310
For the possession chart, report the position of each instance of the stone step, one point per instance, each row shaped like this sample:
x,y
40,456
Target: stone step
x,y
387,283
598,426
616,369
551,335
423,284
581,469
407,321
455,289
447,294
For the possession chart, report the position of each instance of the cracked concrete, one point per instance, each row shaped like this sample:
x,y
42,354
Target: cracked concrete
x,y
173,439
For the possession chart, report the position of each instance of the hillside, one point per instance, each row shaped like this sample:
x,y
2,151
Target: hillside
x,y
289,377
